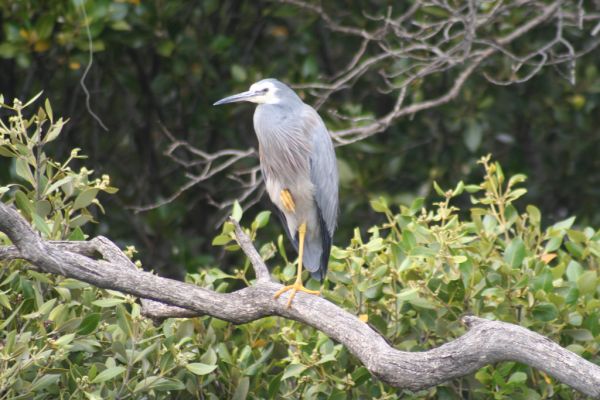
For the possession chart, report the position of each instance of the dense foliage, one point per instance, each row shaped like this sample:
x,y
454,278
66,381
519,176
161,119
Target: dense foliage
x,y
411,277
166,62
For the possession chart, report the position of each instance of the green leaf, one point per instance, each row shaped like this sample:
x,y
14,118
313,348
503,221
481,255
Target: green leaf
x,y
409,240
200,368
43,208
379,205
159,384
111,302
535,216
8,50
583,335
293,371
24,170
79,220
165,48
44,381
517,378
120,25
472,136
221,240
499,172
58,184
543,281
6,152
576,348
209,357
588,282
23,203
458,190
438,189
515,179
241,391
262,219
273,387
408,294
48,108
515,253
516,193
416,205
89,323
238,73
237,212
85,198
142,354
224,354
34,98
108,374
64,340
574,271
77,234
574,249
564,224
4,302
575,318
483,376
545,312
166,384
472,188
577,236
309,67
54,130
41,225
8,320
553,244
423,303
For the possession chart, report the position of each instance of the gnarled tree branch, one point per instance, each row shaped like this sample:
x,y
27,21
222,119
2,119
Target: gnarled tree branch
x,y
485,342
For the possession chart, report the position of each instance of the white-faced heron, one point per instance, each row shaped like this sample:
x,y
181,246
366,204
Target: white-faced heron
x,y
300,172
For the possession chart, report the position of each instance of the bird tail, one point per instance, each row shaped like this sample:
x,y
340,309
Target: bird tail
x,y
315,257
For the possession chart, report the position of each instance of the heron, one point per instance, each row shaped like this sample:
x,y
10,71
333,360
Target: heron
x,y
299,168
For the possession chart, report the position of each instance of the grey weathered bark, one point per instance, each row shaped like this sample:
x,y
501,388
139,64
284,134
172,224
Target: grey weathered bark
x,y
485,342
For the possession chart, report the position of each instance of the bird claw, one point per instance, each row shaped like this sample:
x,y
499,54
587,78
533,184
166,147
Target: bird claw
x,y
296,287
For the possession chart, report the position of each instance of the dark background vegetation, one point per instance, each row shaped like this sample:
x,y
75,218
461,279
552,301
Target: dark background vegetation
x,y
163,63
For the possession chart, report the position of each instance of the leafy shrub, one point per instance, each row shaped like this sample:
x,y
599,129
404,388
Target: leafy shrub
x,y
411,277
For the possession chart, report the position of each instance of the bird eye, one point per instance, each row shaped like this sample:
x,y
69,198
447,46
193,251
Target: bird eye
x,y
265,90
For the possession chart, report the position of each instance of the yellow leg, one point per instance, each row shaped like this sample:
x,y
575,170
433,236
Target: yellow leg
x,y
297,286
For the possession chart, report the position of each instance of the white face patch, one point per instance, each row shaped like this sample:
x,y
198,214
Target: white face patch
x,y
269,95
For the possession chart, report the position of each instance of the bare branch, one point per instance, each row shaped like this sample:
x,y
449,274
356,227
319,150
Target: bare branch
x,y
485,342
88,67
260,269
441,61
210,164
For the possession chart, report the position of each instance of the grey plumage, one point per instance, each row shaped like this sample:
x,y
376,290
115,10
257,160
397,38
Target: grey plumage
x,y
296,154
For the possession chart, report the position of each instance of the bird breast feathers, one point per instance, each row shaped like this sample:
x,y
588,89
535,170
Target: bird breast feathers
x,y
285,142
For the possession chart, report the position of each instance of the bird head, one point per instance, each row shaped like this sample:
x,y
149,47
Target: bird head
x,y
267,91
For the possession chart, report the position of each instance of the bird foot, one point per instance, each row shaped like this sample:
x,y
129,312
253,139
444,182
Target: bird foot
x,y
296,287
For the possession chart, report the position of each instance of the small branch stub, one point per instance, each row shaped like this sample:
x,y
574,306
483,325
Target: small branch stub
x,y
260,268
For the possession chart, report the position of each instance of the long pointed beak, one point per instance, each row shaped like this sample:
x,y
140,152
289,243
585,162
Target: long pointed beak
x,y
237,97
